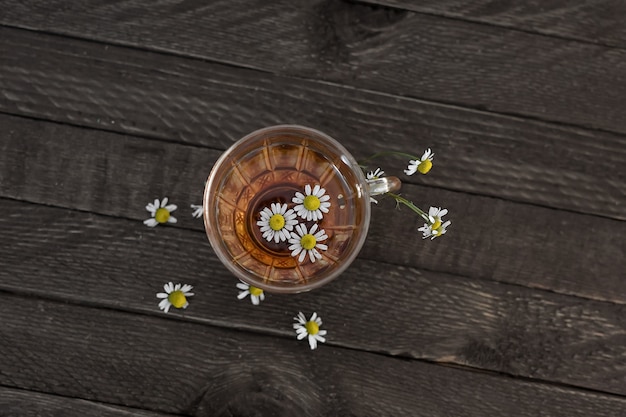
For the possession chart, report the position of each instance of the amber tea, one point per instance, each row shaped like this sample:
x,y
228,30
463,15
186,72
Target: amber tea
x,y
286,208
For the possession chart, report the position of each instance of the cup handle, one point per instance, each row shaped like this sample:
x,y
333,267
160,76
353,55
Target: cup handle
x,y
384,185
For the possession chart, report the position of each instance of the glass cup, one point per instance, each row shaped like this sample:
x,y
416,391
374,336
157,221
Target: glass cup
x,y
287,208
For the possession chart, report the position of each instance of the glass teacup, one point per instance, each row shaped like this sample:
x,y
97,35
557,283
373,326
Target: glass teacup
x,y
287,208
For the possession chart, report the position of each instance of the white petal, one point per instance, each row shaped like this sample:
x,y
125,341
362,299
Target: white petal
x,y
150,222
242,286
243,294
321,246
312,342
163,303
302,335
313,229
320,338
307,189
322,333
161,295
313,316
316,190
186,288
254,299
172,219
164,202
302,255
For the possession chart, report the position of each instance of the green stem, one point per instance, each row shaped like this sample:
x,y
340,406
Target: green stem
x,y
383,153
410,205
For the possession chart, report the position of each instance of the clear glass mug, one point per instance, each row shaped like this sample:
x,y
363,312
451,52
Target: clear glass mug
x,y
287,208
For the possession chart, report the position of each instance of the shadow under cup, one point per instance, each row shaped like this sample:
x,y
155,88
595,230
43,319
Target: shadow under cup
x,y
270,166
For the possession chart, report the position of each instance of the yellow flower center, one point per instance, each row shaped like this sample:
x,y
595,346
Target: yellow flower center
x,y
437,224
312,327
277,221
177,299
311,202
162,215
308,241
255,291
425,166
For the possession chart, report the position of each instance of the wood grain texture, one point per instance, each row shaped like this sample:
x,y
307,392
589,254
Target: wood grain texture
x,y
174,366
20,403
116,175
388,50
205,104
590,21
98,260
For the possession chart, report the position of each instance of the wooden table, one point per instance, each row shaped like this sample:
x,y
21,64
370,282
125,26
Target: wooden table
x,y
519,310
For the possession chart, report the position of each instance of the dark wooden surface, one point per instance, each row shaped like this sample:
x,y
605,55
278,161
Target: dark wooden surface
x,y
520,310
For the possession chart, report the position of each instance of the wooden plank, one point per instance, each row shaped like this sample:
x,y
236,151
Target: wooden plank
x,y
490,239
20,403
597,21
212,105
102,261
174,366
388,50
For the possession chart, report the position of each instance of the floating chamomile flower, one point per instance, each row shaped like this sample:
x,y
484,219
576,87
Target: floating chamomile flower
x,y
277,223
174,295
374,175
197,210
435,228
310,328
256,294
305,242
161,213
423,165
311,204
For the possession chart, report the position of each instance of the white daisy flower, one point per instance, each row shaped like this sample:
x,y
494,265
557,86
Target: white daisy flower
x,y
174,295
197,210
374,175
305,242
277,223
310,328
423,165
161,213
311,205
256,294
435,228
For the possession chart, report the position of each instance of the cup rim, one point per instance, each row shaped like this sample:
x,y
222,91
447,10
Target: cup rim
x,y
218,245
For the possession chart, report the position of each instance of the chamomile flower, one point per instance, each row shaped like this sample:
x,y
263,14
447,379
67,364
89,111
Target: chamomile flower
x,y
304,242
310,328
374,175
277,223
161,213
256,294
423,165
197,210
174,295
312,204
435,227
